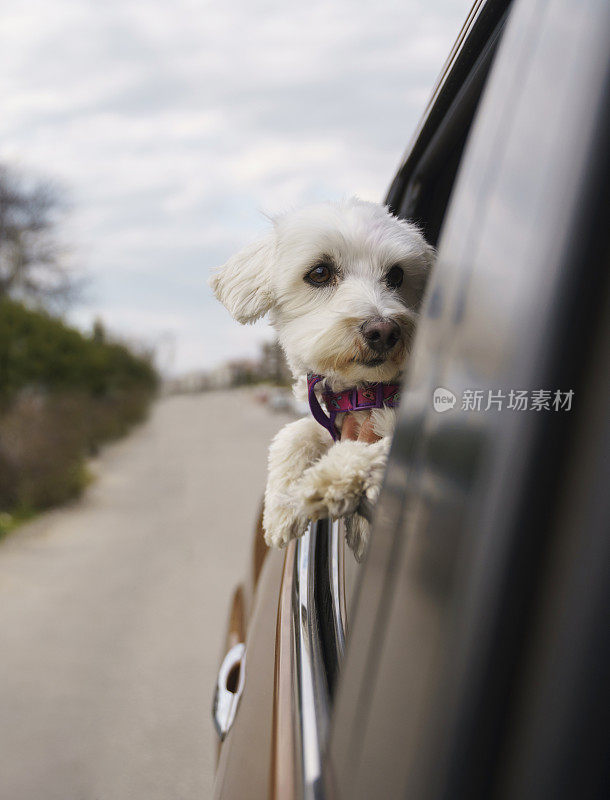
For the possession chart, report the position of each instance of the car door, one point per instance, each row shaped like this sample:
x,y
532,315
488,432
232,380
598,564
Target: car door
x,y
477,645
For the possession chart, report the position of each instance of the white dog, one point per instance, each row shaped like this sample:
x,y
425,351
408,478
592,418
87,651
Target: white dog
x,y
343,284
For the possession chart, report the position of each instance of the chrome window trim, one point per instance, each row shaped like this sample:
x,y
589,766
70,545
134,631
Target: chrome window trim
x,y
311,676
337,587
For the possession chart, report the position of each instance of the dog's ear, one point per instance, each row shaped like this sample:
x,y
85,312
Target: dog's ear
x,y
413,288
243,285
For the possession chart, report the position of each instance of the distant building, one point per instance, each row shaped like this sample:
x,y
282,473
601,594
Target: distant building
x,y
270,367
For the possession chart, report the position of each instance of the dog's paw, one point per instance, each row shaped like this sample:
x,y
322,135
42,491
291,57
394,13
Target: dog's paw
x,y
325,497
281,523
335,485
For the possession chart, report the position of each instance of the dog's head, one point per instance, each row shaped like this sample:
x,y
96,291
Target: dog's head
x,y
343,283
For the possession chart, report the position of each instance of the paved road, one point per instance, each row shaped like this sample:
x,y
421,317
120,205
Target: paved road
x,y
112,611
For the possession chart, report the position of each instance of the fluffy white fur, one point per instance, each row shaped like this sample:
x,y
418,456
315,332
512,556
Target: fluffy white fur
x,y
320,329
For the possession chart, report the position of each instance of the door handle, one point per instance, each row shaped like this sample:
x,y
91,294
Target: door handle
x,y
229,687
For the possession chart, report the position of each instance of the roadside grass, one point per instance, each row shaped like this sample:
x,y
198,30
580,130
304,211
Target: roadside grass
x,y
10,521
62,395
45,442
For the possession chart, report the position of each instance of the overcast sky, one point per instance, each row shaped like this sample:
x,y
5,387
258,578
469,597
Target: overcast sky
x,y
173,125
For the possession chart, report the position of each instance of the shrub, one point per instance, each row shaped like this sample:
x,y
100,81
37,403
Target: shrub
x,y
61,395
38,350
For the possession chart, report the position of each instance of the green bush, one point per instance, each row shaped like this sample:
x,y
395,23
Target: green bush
x,y
38,350
61,395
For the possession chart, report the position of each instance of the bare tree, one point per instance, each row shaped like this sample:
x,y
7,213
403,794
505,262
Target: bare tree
x,y
31,264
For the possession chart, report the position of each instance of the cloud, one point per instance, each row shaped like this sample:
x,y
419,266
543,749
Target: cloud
x,y
175,125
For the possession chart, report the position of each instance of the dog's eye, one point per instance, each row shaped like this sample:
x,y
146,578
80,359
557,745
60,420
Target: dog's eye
x,y
394,277
319,275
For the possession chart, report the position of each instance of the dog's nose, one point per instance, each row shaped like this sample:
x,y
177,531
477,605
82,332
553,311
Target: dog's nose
x,y
381,334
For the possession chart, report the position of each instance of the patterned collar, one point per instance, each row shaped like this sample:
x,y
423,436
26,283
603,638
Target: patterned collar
x,y
372,395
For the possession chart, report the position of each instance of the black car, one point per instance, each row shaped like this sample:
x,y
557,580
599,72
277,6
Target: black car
x,y
473,658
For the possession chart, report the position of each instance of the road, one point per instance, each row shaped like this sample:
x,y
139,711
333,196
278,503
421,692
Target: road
x,y
112,610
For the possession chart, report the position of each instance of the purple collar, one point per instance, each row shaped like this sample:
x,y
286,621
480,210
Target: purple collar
x,y
373,395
